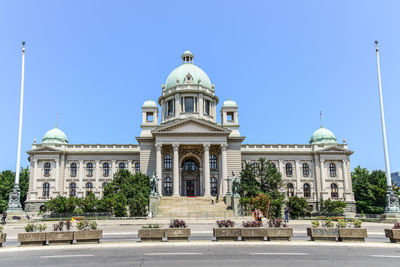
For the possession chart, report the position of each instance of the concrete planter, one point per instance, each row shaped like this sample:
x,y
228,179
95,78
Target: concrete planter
x,y
393,235
279,233
32,239
60,238
323,234
2,239
88,236
226,233
177,234
253,233
151,235
352,234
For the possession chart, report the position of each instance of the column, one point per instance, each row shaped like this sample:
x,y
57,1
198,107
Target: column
x,y
176,170
224,168
57,175
33,189
206,159
130,166
112,168
323,189
97,181
346,182
81,175
298,177
159,167
280,167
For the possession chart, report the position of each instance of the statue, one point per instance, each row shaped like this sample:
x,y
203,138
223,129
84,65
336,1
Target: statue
x,y
14,197
154,185
235,185
392,202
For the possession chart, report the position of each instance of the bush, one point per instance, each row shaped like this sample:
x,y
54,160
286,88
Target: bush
x,y
42,227
253,223
225,223
315,224
298,207
328,223
177,223
276,223
336,207
261,202
30,227
341,223
395,226
151,226
357,223
86,225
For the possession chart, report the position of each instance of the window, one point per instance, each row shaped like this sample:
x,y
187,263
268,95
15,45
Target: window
x,y
149,117
89,169
290,190
229,116
106,169
170,107
167,161
334,191
167,186
306,170
137,167
47,168
46,190
122,166
332,169
189,104
214,186
207,107
289,169
213,161
307,190
273,165
89,188
104,184
190,165
73,169
72,189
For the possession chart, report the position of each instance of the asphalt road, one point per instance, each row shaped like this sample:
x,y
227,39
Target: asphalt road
x,y
207,256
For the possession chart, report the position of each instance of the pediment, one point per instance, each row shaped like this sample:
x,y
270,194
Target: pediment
x,y
44,149
191,127
335,149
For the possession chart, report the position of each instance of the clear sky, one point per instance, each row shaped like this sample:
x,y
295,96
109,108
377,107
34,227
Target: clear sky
x,y
96,62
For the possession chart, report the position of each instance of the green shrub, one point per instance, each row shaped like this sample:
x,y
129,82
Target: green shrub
x,y
341,223
86,225
151,226
78,210
330,206
298,207
328,223
357,223
30,227
42,227
315,224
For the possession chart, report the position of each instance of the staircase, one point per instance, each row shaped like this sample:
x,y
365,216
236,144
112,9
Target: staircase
x,y
192,208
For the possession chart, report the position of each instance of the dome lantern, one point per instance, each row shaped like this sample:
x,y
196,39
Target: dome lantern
x,y
187,57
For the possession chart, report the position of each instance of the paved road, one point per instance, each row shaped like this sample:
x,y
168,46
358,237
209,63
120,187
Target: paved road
x,y
207,256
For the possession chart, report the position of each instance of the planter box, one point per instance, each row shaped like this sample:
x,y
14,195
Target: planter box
x,y
60,238
2,239
393,235
279,233
88,236
32,239
151,235
226,233
323,234
177,234
253,233
352,234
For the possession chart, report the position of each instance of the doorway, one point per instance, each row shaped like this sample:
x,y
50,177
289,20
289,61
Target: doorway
x,y
190,188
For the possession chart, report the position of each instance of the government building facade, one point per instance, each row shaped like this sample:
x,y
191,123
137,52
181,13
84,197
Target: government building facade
x,y
191,153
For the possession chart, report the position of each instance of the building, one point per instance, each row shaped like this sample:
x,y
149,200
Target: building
x,y
192,153
395,178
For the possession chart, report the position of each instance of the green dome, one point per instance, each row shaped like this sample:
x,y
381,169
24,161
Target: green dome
x,y
149,104
230,104
180,73
55,136
323,136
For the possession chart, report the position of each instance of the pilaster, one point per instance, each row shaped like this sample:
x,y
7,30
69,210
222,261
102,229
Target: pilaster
x,y
206,159
176,170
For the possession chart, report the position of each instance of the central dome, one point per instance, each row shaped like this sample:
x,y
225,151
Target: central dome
x,y
188,70
55,136
323,136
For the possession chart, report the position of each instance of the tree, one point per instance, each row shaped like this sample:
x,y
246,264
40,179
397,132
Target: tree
x,y
333,206
7,179
369,190
298,207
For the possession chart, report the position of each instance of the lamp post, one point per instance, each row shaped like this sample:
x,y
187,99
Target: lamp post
x,y
392,205
14,201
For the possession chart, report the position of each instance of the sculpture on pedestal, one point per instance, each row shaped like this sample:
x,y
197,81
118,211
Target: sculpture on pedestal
x,y
154,185
235,185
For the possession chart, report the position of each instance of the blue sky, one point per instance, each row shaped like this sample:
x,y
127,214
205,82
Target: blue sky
x,y
96,62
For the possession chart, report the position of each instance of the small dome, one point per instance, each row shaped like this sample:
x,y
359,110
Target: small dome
x,y
230,104
149,104
55,136
323,136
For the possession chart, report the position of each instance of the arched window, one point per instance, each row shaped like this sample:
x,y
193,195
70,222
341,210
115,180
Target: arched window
x,y
190,165
106,169
213,161
73,169
334,191
332,169
47,168
46,190
306,190
72,189
122,166
168,161
306,170
214,186
167,186
289,169
137,167
89,169
290,190
89,188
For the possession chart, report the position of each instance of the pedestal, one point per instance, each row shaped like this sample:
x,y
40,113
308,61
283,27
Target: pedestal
x,y
228,201
236,205
153,204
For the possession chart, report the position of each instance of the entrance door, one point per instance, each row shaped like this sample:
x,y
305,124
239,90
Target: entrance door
x,y
190,188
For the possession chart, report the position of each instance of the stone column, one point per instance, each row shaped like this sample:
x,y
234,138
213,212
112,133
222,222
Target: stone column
x,y
298,176
206,156
346,182
97,177
159,167
112,168
57,186
323,188
81,175
224,169
176,170
33,189
130,166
